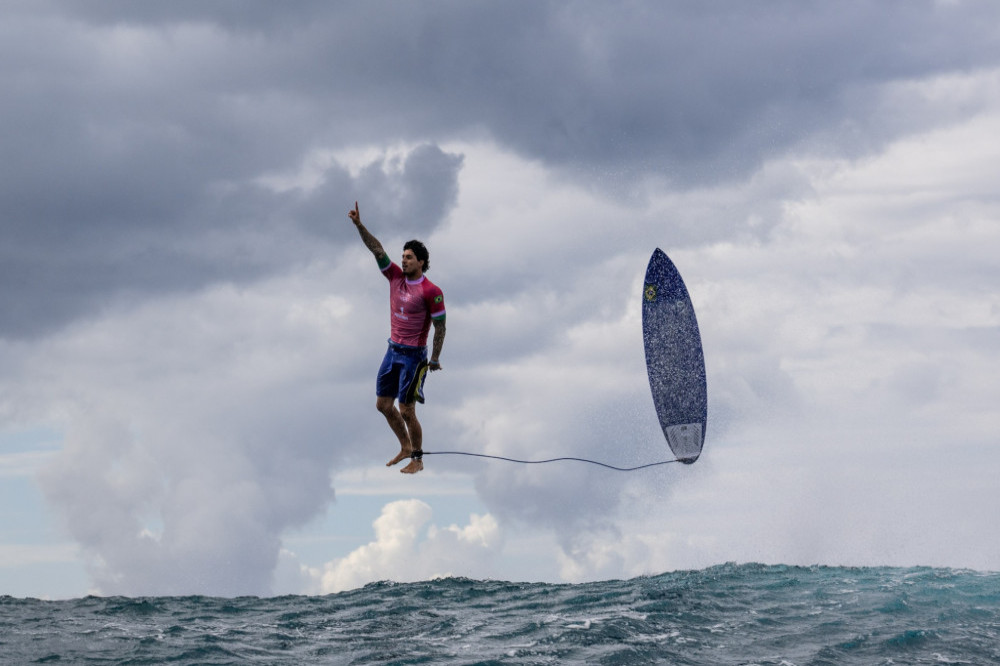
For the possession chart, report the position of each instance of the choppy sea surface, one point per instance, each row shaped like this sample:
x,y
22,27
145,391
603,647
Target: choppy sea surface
x,y
730,614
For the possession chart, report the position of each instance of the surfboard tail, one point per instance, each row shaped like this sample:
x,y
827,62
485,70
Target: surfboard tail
x,y
685,441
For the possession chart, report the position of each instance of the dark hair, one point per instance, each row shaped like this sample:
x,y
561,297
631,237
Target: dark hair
x,y
420,252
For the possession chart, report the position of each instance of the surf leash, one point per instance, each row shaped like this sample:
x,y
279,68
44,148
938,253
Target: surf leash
x,y
550,460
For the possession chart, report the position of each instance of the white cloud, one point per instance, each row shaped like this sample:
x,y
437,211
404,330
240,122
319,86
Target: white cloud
x,y
852,359
406,549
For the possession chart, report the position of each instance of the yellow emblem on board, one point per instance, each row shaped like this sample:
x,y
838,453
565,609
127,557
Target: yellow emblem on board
x,y
650,292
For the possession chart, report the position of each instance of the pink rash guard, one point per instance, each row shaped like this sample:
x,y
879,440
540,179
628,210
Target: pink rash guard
x,y
412,306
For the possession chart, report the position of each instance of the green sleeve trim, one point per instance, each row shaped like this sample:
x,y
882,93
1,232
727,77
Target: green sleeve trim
x,y
384,262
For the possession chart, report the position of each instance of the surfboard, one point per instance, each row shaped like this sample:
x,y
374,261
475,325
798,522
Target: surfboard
x,y
675,361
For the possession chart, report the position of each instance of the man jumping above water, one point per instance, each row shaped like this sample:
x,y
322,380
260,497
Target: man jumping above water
x,y
414,303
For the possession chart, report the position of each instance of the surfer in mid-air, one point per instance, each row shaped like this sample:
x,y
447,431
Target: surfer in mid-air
x,y
414,303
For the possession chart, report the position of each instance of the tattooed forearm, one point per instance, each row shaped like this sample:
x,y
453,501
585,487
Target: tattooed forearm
x,y
439,329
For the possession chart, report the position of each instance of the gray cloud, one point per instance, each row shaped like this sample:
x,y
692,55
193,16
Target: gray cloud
x,y
145,238
669,87
133,133
65,267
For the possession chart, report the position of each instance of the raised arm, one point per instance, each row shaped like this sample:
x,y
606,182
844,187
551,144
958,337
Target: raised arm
x,y
370,241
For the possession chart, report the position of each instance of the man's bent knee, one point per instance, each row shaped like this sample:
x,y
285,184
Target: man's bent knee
x,y
408,410
384,403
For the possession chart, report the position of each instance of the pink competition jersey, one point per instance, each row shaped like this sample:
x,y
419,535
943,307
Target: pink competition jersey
x,y
412,306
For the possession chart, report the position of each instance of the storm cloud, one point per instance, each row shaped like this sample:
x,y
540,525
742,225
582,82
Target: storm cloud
x,y
184,300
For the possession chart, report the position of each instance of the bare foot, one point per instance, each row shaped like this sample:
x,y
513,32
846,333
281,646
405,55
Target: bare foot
x,y
403,454
415,466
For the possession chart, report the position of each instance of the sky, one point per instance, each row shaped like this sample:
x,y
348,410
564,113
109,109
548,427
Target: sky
x,y
190,326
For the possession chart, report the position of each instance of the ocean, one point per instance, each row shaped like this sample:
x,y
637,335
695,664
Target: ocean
x,y
729,614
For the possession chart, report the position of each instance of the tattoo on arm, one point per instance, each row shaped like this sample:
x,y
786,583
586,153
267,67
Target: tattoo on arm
x,y
439,329
370,241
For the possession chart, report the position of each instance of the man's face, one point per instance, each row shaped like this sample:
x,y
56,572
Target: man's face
x,y
411,265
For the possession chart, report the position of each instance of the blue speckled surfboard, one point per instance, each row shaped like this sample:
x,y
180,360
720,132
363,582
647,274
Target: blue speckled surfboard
x,y
675,361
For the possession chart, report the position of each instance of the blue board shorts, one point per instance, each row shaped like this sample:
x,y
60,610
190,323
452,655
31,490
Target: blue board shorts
x,y
402,373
